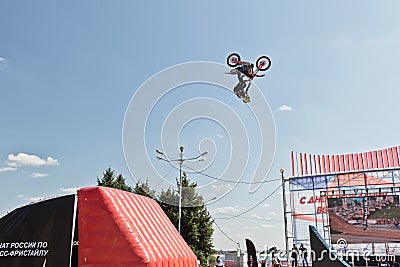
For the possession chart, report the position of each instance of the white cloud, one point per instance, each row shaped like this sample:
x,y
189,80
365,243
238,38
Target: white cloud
x,y
3,62
39,175
70,190
220,136
226,209
4,169
34,199
23,159
30,199
254,216
285,108
251,227
221,187
267,226
272,213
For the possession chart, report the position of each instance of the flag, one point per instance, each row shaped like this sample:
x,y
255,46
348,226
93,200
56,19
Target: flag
x,y
251,254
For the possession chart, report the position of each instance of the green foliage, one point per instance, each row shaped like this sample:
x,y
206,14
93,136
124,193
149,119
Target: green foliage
x,y
143,188
109,179
389,211
196,222
212,260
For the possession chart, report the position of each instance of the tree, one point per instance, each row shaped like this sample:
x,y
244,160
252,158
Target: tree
x,y
196,221
111,180
143,188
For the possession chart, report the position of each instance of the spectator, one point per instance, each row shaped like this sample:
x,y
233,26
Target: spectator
x,y
276,262
395,264
219,262
294,255
304,255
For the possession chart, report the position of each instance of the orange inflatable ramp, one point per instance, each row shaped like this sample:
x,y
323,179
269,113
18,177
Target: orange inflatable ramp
x,y
121,229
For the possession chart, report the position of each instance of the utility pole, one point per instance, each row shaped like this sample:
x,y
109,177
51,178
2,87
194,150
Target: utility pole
x,y
282,170
180,160
180,188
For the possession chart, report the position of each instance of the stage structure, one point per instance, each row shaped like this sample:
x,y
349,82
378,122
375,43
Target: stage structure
x,y
352,200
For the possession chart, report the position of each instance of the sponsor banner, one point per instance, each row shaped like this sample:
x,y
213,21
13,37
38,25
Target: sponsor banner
x,y
361,207
372,219
308,202
39,234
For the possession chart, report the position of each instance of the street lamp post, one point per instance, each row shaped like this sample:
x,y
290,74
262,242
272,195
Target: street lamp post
x,y
180,160
180,188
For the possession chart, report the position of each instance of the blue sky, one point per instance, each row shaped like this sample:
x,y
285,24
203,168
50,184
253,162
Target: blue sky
x,y
68,71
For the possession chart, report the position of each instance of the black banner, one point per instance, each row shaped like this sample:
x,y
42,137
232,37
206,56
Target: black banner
x,y
39,234
251,254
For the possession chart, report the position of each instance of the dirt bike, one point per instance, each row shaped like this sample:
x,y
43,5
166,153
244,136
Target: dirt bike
x,y
263,63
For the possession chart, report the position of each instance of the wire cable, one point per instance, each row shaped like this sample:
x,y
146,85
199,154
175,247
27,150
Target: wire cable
x,y
225,234
228,181
253,218
165,176
252,208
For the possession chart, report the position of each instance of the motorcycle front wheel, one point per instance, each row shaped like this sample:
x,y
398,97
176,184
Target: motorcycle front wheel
x,y
263,63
